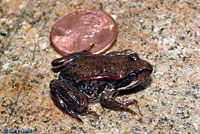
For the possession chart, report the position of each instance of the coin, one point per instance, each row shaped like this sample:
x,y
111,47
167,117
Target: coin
x,y
79,29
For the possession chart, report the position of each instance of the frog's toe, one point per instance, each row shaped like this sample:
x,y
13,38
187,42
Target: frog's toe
x,y
134,102
59,64
130,102
93,113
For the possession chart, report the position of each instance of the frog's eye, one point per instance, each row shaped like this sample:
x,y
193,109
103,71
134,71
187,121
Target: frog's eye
x,y
134,56
144,70
133,75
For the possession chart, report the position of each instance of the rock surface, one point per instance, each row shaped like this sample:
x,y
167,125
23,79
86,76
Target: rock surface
x,y
164,32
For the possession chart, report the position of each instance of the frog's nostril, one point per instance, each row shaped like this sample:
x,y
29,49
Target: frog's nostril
x,y
148,66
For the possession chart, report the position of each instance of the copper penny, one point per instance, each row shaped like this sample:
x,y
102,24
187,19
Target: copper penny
x,y
79,29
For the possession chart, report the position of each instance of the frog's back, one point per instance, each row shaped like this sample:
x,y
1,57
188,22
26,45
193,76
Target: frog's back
x,y
97,67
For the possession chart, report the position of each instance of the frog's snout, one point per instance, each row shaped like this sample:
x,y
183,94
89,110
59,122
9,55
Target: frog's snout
x,y
148,66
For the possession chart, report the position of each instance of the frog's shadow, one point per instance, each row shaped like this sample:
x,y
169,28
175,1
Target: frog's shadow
x,y
136,89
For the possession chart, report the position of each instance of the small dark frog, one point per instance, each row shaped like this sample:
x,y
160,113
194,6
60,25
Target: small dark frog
x,y
86,77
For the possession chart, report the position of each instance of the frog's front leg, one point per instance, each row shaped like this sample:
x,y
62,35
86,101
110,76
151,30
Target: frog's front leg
x,y
69,99
107,100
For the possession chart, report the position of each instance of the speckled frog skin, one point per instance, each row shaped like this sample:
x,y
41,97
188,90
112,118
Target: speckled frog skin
x,y
86,77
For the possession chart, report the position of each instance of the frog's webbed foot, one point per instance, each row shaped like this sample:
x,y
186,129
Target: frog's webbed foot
x,y
107,100
68,99
59,63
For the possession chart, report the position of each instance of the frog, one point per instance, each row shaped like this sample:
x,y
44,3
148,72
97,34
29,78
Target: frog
x,y
85,77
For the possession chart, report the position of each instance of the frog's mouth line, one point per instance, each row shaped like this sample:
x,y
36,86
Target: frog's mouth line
x,y
141,77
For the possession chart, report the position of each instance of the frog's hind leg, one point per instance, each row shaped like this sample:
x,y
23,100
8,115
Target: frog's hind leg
x,y
107,100
59,63
64,108
68,98
60,96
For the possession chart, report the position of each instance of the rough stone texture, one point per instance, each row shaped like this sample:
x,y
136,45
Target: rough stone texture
x,y
164,32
